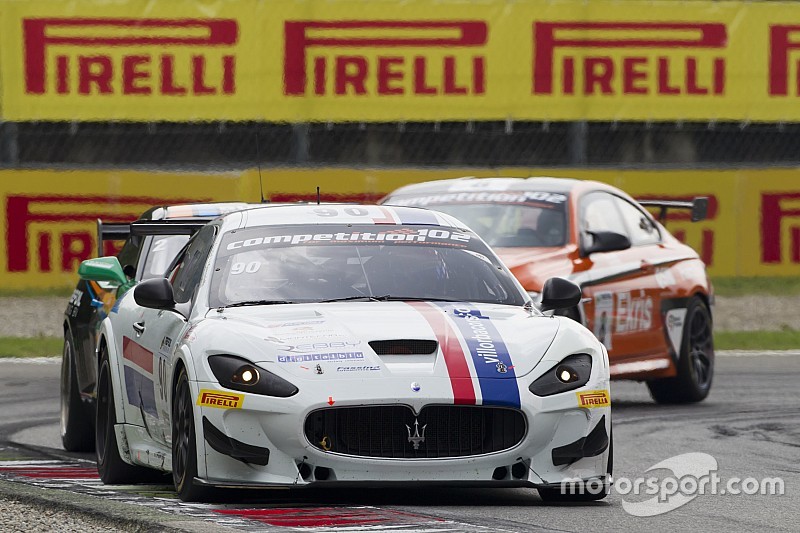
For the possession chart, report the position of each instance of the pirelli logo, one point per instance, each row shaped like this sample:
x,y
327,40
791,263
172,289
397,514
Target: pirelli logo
x,y
333,56
222,400
129,56
593,398
629,58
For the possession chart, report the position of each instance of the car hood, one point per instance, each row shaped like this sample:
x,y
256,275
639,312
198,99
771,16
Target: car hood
x,y
475,340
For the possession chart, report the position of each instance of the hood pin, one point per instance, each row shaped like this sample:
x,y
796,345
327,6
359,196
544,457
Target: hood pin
x,y
502,368
318,369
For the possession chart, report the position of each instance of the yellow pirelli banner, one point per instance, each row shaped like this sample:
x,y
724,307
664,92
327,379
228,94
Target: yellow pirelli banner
x,y
48,218
399,60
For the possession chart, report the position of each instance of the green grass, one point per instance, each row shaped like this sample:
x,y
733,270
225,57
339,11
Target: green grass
x,y
30,347
787,286
64,292
787,339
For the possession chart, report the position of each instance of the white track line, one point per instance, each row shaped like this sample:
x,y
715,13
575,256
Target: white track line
x,y
757,353
31,360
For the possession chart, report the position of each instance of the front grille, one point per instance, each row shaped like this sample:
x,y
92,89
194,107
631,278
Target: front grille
x,y
384,430
404,347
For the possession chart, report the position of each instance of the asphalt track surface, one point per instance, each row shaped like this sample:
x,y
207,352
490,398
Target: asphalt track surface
x,y
750,425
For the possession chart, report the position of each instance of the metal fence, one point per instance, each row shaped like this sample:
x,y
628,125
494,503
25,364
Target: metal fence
x,y
227,145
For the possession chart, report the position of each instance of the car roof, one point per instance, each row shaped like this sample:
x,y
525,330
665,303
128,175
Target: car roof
x,y
473,184
280,215
194,211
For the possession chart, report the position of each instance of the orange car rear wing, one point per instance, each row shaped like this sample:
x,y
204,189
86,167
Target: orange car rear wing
x,y
698,205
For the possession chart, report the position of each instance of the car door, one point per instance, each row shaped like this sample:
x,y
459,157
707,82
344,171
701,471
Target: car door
x,y
96,300
623,307
161,328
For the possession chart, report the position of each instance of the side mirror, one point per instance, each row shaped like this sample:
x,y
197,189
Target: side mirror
x,y
606,241
699,208
155,293
102,269
559,293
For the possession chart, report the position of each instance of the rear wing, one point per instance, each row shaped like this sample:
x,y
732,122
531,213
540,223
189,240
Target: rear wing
x,y
110,232
698,205
119,232
167,227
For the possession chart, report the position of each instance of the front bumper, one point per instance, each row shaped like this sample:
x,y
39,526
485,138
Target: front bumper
x,y
276,425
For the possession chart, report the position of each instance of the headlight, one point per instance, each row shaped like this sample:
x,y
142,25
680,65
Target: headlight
x,y
240,374
571,373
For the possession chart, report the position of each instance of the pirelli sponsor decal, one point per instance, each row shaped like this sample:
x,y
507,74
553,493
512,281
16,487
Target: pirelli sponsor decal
x,y
593,398
222,400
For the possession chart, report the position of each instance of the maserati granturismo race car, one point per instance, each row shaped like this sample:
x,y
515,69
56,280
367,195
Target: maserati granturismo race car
x,y
341,344
148,250
646,295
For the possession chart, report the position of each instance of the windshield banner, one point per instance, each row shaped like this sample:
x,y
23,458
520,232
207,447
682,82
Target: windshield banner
x,y
282,236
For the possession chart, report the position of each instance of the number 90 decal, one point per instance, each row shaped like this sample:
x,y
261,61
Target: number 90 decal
x,y
241,268
349,211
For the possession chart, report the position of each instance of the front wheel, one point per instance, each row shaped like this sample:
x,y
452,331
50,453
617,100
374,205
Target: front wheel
x,y
76,417
696,361
184,447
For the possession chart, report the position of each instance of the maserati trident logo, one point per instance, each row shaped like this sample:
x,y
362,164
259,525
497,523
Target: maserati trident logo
x,y
416,439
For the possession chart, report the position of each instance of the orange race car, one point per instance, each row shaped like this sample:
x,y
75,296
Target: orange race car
x,y
647,296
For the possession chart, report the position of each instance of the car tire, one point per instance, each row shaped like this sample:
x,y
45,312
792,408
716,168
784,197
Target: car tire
x,y
696,361
184,444
553,495
76,416
110,465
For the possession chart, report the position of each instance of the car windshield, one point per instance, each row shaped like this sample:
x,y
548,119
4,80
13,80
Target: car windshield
x,y
163,250
305,263
503,219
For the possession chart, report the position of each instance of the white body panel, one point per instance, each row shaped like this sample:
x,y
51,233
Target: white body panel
x,y
487,355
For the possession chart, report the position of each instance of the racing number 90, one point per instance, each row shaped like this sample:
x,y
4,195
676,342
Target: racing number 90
x,y
251,268
331,212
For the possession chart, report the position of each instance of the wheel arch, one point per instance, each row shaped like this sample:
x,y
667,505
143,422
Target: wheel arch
x,y
706,299
115,366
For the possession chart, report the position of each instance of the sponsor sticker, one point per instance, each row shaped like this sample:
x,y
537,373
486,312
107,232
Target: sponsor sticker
x,y
593,398
222,400
319,346
334,356
392,236
521,197
362,368
603,317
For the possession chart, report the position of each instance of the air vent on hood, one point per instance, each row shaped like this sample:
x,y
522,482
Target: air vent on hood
x,y
404,347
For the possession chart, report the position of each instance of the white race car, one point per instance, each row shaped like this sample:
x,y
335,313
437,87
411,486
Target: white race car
x,y
341,344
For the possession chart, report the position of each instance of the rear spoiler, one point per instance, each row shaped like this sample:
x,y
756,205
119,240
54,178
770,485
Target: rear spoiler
x,y
110,232
119,232
167,227
698,205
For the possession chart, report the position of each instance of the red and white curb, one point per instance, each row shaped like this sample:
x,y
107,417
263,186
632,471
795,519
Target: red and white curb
x,y
81,477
